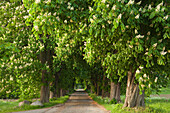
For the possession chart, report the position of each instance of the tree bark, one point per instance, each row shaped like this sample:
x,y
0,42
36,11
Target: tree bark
x,y
103,86
45,88
97,88
115,91
61,92
133,98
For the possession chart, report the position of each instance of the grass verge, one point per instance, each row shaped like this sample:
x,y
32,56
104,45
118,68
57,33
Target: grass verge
x,y
6,106
153,105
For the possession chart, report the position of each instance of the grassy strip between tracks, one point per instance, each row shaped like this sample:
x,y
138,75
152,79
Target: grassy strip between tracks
x,y
153,105
12,106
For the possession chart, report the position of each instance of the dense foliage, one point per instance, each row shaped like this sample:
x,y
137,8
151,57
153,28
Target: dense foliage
x,y
55,43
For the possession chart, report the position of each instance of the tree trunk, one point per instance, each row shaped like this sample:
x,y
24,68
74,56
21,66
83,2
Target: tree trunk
x,y
51,94
61,92
115,91
98,88
103,86
133,98
45,88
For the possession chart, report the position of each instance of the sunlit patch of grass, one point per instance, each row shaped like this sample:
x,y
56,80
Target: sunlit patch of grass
x,y
153,105
13,106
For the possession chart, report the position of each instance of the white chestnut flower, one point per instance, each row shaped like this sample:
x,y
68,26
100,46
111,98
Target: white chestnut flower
x,y
69,3
109,21
140,67
130,2
142,85
103,1
144,75
139,3
107,5
37,1
149,7
166,17
163,53
137,16
114,7
120,16
156,79
94,17
131,46
65,21
160,40
72,8
136,31
36,28
90,9
146,53
137,71
149,33
154,45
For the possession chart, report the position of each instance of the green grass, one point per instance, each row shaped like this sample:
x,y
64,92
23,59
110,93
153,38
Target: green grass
x,y
164,90
153,105
13,106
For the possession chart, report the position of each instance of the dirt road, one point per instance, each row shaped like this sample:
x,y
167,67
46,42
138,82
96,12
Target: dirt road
x,y
79,102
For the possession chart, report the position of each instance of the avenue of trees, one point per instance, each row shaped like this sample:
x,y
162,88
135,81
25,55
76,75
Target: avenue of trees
x,y
114,47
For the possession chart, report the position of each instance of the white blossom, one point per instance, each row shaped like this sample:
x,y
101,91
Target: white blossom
x,y
49,14
25,17
150,7
139,3
120,16
127,26
103,1
160,40
49,1
146,53
94,17
144,75
37,1
72,8
166,17
149,85
154,45
141,79
149,33
54,14
137,71
114,7
140,9
131,46
69,3
156,79
140,67
90,9
58,18
163,48
65,21
103,26
36,28
130,2
163,53
142,85
109,21
137,16
91,20
107,5
139,36
136,31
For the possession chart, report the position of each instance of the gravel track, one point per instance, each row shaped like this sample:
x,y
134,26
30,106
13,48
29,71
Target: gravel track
x,y
79,102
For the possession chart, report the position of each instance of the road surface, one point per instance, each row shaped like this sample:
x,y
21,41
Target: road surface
x,y
79,102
